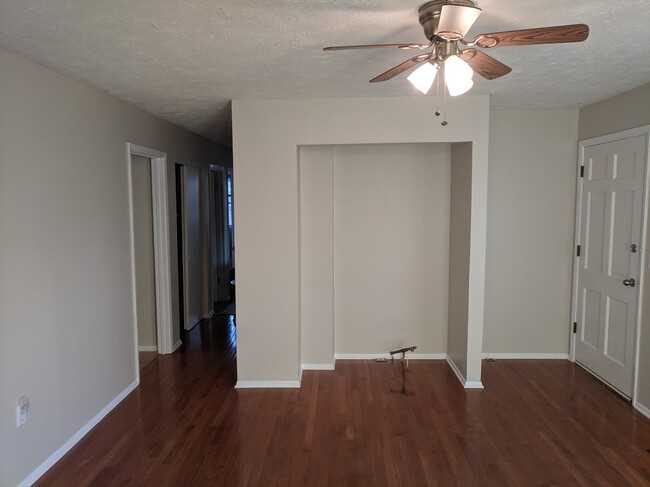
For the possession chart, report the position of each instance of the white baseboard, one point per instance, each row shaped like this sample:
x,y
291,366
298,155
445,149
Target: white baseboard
x,y
267,384
526,356
176,345
453,366
370,356
74,439
147,348
467,384
642,409
317,366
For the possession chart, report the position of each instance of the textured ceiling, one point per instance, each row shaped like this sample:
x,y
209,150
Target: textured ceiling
x,y
185,60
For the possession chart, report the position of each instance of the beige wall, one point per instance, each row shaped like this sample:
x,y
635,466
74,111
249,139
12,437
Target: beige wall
x,y
316,256
145,286
267,207
67,332
622,112
391,245
625,111
458,254
532,178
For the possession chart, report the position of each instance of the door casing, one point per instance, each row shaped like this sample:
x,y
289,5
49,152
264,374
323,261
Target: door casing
x,y
162,262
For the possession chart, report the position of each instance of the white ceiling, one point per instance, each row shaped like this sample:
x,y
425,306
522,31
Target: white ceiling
x,y
185,60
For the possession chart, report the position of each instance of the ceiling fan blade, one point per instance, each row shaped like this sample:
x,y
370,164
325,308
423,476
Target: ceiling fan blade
x,y
457,19
485,65
541,35
375,46
400,68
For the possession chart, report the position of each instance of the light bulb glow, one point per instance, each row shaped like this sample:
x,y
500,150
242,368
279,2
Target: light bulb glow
x,y
458,75
423,77
459,87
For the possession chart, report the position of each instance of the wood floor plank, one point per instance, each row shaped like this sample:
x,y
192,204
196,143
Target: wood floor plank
x,y
535,423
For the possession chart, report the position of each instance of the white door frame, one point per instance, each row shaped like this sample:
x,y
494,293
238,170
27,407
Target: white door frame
x,y
625,134
162,263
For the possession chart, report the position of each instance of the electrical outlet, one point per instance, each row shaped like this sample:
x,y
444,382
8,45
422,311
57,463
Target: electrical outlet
x,y
21,411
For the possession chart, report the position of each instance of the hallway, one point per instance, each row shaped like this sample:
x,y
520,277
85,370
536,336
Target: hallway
x,y
536,422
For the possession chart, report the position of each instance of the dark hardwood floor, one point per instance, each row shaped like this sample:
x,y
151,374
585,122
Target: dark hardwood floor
x,y
535,423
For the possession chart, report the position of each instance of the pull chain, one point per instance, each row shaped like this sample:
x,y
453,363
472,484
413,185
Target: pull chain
x,y
444,96
438,91
444,104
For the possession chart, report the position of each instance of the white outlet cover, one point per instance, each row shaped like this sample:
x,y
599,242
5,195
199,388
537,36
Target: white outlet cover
x,y
21,411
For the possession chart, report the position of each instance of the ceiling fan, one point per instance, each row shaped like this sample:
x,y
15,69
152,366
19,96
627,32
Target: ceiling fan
x,y
445,24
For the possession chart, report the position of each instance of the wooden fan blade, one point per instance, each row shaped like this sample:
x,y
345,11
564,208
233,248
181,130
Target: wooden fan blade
x,y
376,46
485,65
400,68
541,35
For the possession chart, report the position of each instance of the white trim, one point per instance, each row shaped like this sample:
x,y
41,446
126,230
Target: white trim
x,y
134,295
642,272
642,409
147,348
162,261
370,356
613,137
176,345
526,356
467,384
456,370
317,366
267,384
74,439
576,259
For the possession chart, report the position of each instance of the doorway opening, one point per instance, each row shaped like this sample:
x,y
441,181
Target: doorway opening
x,y
145,285
382,226
145,161
180,251
222,238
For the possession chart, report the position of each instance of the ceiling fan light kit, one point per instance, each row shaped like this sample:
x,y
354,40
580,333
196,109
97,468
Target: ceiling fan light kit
x,y
445,24
458,75
423,77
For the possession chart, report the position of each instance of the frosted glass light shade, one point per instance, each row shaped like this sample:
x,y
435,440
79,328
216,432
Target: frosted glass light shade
x,y
459,87
458,75
423,77
457,18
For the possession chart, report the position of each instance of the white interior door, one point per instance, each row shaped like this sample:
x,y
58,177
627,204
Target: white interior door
x,y
609,265
193,251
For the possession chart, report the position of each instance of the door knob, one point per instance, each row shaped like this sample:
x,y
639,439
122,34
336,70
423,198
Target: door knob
x,y
629,282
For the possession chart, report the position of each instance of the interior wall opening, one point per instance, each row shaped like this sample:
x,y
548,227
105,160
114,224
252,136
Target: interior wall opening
x,y
222,237
145,283
375,224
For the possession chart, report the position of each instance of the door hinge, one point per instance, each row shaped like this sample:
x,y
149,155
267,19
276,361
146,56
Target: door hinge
x,y
578,251
575,327
582,171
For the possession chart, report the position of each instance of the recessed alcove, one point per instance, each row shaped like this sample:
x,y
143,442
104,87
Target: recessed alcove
x,y
375,234
282,323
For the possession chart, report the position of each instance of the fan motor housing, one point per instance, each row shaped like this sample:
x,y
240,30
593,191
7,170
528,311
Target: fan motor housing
x,y
429,14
